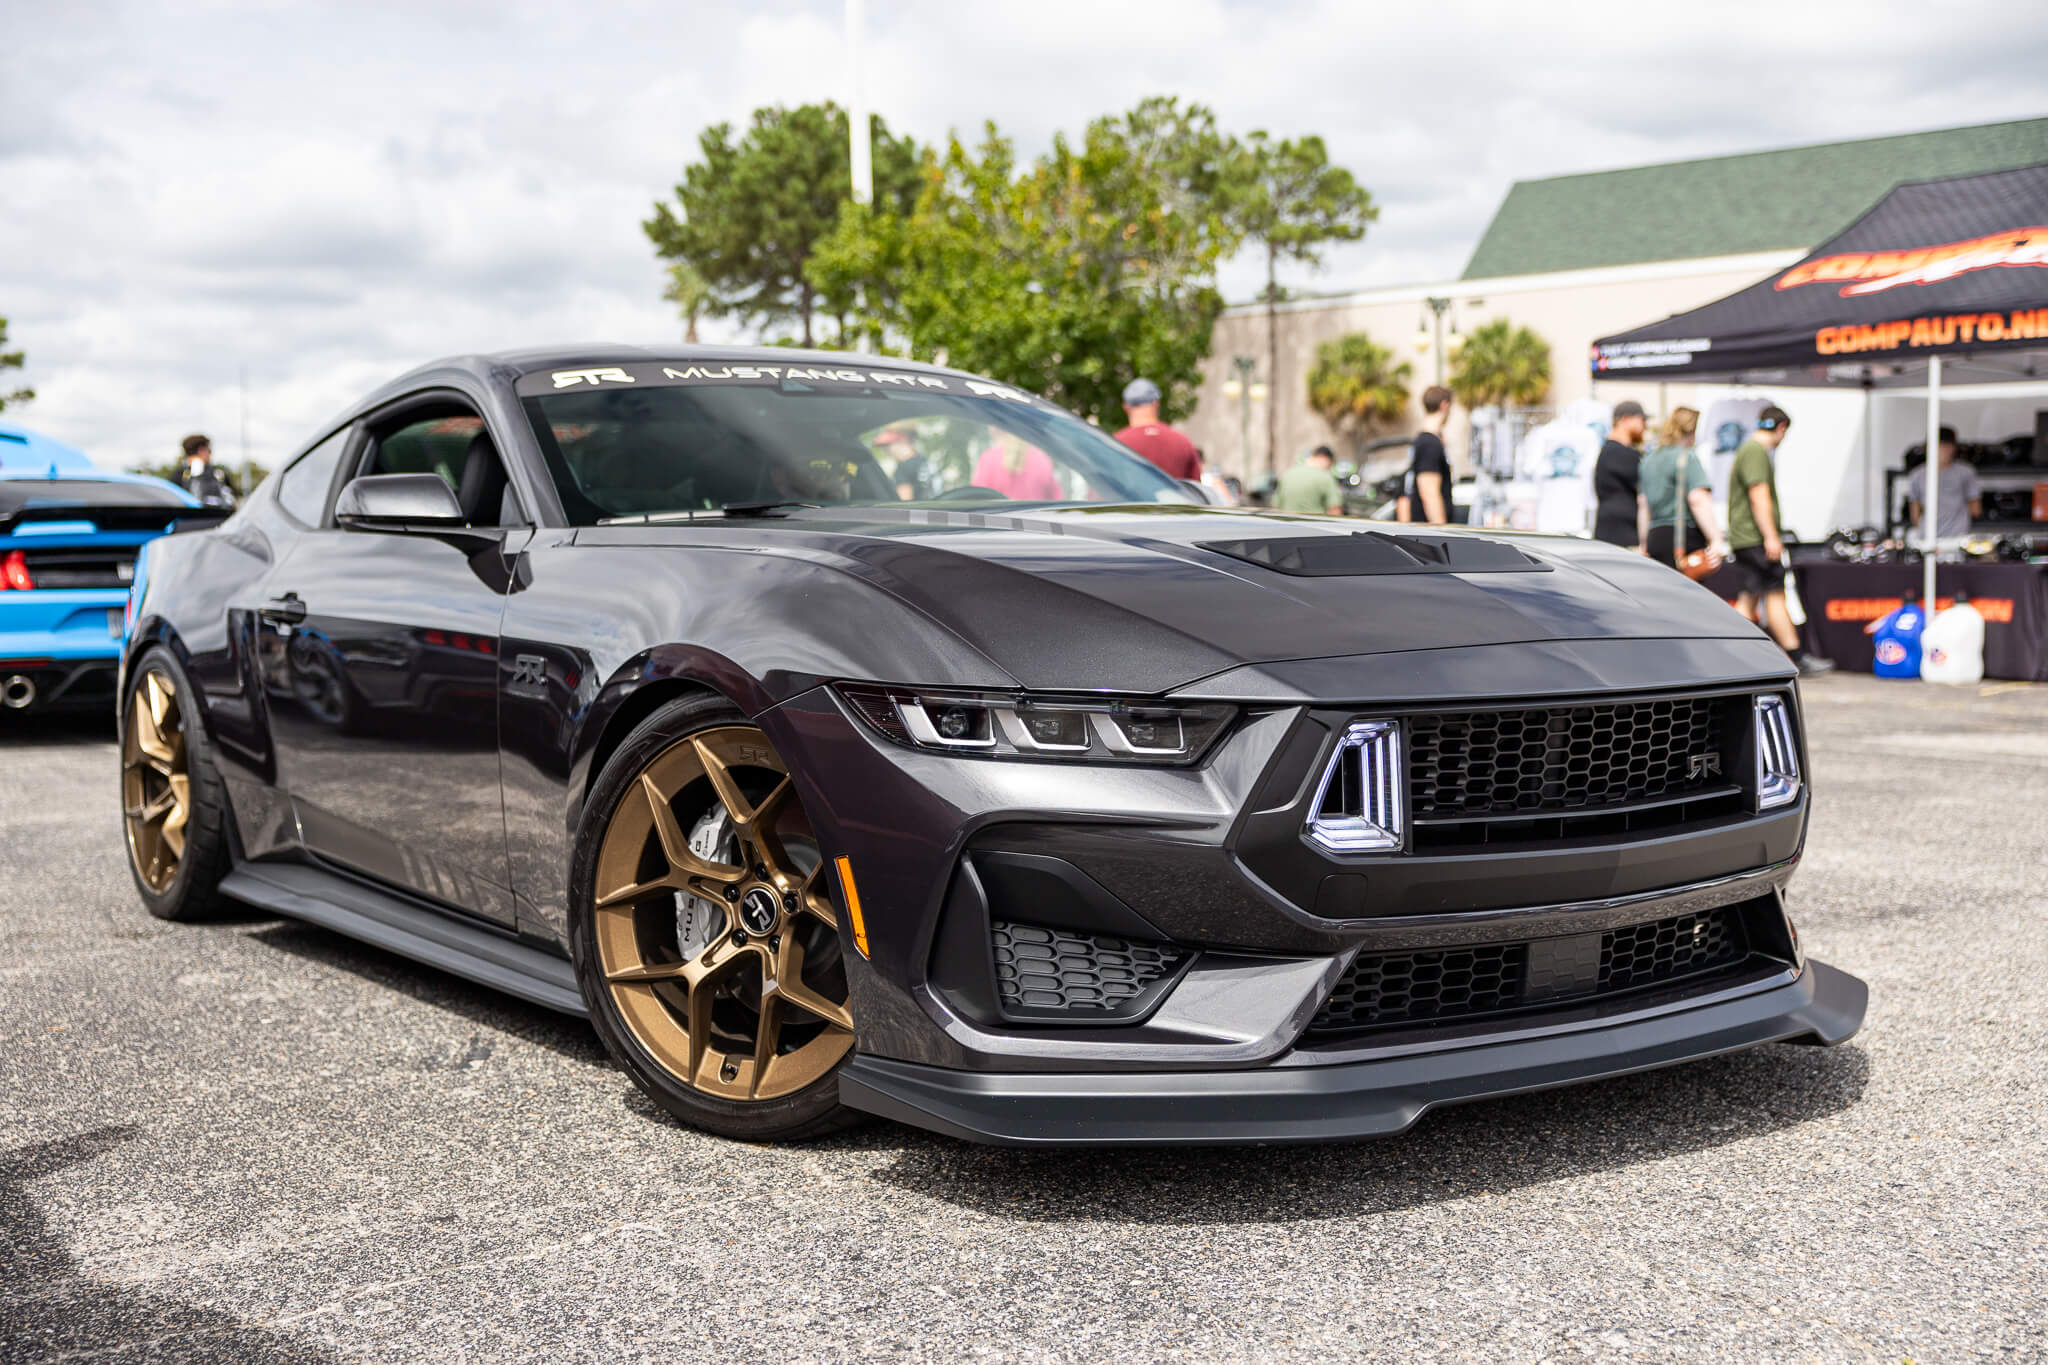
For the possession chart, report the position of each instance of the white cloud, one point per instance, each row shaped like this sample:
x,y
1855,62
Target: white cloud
x,y
322,197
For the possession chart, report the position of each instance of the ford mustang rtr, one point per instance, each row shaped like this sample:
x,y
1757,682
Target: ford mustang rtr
x,y
68,544
841,734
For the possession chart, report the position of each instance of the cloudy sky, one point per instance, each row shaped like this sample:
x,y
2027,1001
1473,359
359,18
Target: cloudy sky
x,y
318,197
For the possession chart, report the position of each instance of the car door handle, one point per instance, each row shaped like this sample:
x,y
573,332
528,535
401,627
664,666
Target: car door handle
x,y
285,608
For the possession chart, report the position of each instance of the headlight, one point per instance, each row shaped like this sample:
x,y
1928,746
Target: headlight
x,y
1359,807
1016,725
1777,757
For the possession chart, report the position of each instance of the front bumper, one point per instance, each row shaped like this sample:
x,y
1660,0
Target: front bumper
x,y
1330,1103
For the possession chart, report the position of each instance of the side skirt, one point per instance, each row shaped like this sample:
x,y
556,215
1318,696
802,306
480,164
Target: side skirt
x,y
363,912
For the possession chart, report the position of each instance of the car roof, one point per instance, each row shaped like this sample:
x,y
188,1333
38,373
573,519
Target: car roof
x,y
513,363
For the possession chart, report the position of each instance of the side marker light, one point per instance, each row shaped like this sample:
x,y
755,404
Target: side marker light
x,y
860,928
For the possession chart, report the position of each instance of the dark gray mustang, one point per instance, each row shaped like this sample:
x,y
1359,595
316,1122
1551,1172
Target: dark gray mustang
x,y
843,734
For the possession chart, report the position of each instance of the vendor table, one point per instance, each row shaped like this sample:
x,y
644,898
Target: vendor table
x,y
1842,599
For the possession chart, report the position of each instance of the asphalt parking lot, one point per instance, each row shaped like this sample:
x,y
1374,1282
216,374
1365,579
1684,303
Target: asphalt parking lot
x,y
258,1141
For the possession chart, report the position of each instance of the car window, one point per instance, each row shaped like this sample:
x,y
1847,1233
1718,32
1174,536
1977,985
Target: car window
x,y
302,488
434,445
697,439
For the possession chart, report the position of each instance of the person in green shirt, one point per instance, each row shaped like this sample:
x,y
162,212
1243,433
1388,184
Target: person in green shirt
x,y
1660,508
1310,486
1754,535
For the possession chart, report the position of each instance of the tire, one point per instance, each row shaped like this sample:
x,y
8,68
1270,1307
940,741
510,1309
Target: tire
x,y
177,859
671,978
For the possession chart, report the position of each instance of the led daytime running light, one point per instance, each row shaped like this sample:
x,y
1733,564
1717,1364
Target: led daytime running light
x,y
1018,726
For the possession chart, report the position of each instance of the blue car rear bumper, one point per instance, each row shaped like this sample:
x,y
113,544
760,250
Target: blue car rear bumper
x,y
65,642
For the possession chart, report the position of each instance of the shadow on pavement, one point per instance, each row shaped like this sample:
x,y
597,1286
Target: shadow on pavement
x,y
571,1038
57,728
49,1308
1490,1147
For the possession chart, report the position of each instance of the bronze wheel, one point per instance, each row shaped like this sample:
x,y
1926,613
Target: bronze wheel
x,y
717,944
156,782
173,805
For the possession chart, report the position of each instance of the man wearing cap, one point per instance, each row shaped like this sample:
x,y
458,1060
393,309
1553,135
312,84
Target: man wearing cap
x,y
1152,438
1615,478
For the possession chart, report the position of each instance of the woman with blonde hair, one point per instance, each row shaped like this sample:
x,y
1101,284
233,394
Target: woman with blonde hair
x,y
1664,504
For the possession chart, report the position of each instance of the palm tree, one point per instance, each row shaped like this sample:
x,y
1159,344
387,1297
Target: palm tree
x,y
691,296
1502,364
1355,385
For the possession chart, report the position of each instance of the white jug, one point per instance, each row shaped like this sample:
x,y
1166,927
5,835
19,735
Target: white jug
x,y
1952,646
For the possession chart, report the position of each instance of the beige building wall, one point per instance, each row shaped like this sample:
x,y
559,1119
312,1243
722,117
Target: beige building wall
x,y
1568,309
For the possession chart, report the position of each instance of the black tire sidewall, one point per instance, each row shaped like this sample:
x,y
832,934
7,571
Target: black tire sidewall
x,y
810,1111
191,894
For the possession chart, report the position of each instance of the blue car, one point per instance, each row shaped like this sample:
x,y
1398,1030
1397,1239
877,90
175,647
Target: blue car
x,y
70,535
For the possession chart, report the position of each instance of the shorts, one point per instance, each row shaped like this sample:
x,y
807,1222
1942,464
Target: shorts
x,y
1760,573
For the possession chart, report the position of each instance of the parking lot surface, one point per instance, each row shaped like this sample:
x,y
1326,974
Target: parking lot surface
x,y
255,1140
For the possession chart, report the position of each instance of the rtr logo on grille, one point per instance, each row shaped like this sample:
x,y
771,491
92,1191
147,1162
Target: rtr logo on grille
x,y
1706,765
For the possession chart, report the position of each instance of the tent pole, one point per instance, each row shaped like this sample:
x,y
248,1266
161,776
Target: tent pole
x,y
1870,462
1930,510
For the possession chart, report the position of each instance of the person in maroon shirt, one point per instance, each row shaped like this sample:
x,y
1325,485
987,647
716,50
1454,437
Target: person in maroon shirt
x,y
1152,438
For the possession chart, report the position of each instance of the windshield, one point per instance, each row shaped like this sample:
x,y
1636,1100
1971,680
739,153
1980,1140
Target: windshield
x,y
674,439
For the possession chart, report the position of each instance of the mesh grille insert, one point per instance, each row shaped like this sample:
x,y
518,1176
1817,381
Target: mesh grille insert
x,y
1565,758
1465,983
1059,970
1645,953
1459,981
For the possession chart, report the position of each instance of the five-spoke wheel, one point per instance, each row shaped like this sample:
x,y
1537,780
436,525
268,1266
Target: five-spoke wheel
x,y
156,787
713,934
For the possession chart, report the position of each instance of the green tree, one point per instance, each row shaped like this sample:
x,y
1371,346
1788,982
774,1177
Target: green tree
x,y
12,360
1068,277
1290,203
1503,364
1357,387
748,216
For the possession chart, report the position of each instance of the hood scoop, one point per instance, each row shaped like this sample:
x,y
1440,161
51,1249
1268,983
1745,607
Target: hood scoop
x,y
1364,554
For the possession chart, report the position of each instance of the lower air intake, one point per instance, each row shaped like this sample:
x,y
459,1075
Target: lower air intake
x,y
1495,978
1043,971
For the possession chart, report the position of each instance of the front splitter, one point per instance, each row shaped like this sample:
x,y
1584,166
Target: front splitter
x,y
1338,1102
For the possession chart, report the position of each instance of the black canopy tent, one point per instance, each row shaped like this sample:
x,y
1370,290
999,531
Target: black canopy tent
x,y
1940,281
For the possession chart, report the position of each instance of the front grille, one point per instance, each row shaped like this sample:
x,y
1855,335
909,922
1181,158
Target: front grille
x,y
1041,970
1495,978
1557,759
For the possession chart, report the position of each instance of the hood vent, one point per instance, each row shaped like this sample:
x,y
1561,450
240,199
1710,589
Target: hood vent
x,y
1366,553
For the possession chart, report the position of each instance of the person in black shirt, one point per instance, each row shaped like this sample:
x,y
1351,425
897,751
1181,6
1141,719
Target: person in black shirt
x,y
1426,488
1615,478
197,476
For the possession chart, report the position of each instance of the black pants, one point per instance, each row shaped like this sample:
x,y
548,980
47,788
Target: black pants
x,y
1661,537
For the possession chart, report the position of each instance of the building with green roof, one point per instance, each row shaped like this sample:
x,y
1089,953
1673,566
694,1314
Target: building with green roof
x,y
1729,205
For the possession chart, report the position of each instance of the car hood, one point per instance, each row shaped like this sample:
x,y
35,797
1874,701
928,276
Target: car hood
x,y
1151,598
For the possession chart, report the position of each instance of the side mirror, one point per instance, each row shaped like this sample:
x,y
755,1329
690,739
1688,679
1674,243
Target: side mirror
x,y
397,502
1201,492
